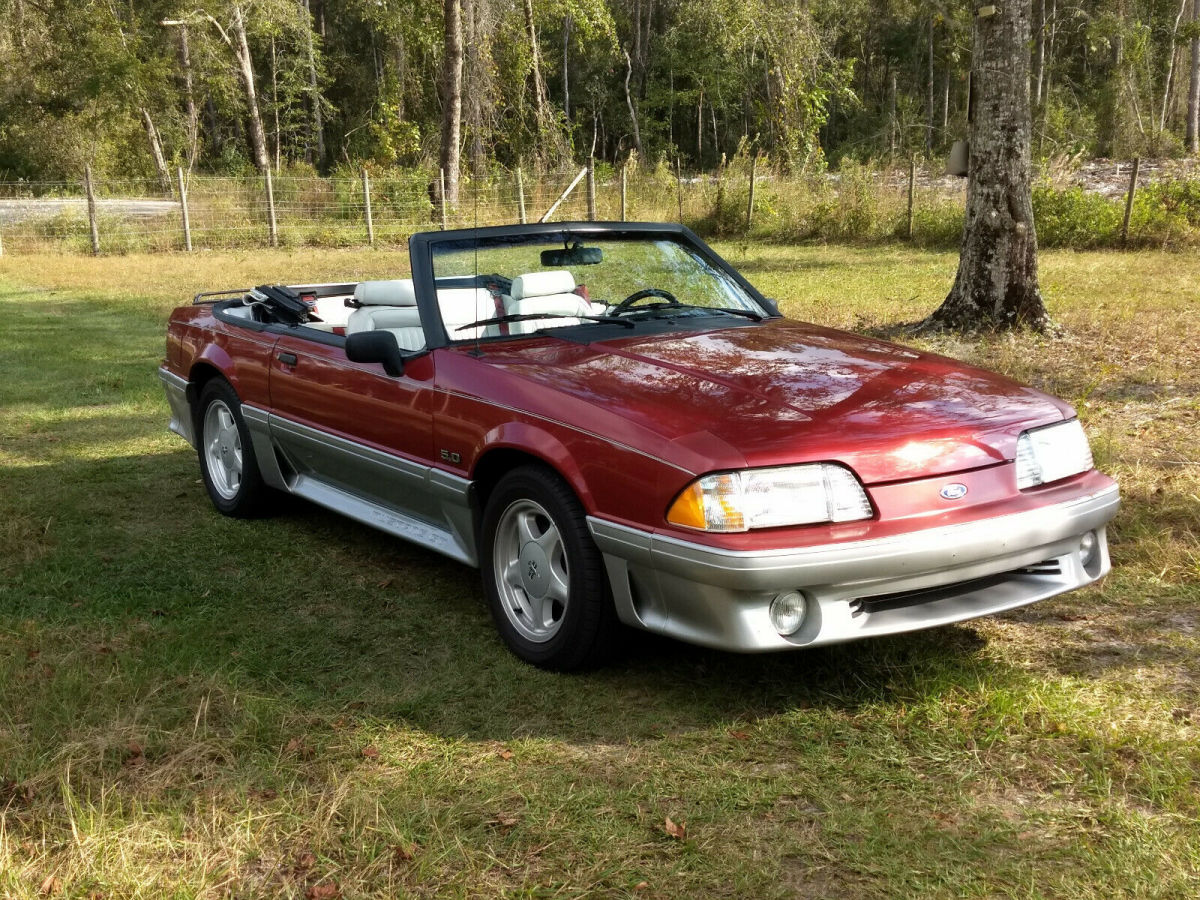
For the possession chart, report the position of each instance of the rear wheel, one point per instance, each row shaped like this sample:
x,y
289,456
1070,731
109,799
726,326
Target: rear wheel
x,y
542,573
227,462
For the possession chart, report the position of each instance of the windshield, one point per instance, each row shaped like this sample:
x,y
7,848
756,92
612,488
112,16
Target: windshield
x,y
521,284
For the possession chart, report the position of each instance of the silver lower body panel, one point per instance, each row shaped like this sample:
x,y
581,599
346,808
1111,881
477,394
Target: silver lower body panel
x,y
859,589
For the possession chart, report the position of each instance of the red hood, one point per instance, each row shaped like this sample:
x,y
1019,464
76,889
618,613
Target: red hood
x,y
779,393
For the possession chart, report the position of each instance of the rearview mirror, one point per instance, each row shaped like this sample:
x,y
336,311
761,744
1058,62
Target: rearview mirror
x,y
376,347
572,256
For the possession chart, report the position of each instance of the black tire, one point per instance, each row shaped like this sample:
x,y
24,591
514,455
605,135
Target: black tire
x,y
247,496
580,631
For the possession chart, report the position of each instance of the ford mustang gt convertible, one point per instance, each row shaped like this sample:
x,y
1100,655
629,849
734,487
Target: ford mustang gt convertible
x,y
615,427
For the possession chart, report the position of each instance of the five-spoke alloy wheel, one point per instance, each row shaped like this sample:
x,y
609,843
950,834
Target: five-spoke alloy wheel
x,y
227,461
542,573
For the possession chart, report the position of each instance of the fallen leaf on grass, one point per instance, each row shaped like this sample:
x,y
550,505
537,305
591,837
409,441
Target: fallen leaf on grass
x,y
642,886
264,793
327,891
134,754
51,885
370,752
305,861
505,754
677,831
739,735
296,745
504,820
404,853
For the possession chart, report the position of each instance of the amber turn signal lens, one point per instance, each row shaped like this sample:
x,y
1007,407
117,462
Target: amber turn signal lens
x,y
688,509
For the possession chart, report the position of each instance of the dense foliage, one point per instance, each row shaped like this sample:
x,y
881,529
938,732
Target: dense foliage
x,y
106,83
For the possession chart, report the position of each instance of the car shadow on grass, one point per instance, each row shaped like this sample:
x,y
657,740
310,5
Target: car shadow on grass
x,y
327,615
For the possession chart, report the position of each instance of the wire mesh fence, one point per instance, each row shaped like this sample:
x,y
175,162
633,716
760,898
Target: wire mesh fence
x,y
219,212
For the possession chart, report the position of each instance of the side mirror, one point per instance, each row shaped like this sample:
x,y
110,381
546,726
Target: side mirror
x,y
772,306
376,347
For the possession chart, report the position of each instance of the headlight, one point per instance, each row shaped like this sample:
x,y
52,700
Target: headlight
x,y
1052,452
769,498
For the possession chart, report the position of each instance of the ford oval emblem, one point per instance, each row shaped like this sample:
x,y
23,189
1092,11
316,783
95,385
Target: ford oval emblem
x,y
954,491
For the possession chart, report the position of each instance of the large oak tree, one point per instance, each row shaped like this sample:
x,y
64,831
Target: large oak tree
x,y
997,282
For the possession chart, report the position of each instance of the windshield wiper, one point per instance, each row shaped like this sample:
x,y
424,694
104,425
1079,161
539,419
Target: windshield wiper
x,y
668,307
526,317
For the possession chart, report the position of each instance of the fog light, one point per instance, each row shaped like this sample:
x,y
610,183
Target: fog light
x,y
1089,546
787,612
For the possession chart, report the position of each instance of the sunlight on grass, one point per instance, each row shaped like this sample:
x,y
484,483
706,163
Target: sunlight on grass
x,y
200,707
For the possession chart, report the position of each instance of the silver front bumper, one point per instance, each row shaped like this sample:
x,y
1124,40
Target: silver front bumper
x,y
720,598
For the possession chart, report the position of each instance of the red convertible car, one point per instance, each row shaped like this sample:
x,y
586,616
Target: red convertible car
x,y
617,428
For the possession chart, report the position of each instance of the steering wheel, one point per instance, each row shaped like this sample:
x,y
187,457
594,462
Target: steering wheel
x,y
627,304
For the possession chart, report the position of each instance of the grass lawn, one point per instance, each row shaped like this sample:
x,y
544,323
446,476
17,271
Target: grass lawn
x,y
192,706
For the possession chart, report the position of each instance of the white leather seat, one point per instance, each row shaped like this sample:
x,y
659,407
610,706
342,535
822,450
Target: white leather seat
x,y
546,293
388,306
462,306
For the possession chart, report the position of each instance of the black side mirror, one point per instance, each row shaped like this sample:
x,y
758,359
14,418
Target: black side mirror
x,y
376,347
772,306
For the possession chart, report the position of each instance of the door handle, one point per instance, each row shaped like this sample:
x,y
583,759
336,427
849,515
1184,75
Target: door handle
x,y
288,359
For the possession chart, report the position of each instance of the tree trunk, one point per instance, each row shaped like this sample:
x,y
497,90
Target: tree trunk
x,y
637,134
193,114
156,151
316,136
566,67
997,282
539,86
258,137
452,96
1193,107
893,124
1173,56
474,78
929,96
1039,51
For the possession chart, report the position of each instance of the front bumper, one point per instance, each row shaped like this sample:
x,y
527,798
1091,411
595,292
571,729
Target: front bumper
x,y
720,598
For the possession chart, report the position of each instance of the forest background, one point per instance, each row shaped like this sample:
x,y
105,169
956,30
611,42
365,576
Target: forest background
x,y
824,98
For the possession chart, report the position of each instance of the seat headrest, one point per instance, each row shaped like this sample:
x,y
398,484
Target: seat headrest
x,y
542,284
461,306
386,293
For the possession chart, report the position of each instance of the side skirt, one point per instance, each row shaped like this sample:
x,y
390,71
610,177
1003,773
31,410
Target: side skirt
x,y
452,536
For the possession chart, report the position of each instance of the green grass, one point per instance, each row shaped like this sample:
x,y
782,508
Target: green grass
x,y
192,706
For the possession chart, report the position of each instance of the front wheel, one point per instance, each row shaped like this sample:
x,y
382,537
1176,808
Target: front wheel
x,y
543,574
227,462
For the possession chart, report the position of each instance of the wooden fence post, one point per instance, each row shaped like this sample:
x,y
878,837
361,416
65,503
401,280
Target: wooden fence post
x,y
183,207
912,183
624,168
366,182
1133,177
91,203
750,203
442,176
520,196
679,188
1,243
591,188
272,225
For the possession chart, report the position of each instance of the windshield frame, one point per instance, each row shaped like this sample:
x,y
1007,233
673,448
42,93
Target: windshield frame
x,y
422,250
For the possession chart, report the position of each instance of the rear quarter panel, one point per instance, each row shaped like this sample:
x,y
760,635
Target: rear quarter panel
x,y
196,337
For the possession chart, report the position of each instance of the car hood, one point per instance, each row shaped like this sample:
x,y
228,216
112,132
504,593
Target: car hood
x,y
781,392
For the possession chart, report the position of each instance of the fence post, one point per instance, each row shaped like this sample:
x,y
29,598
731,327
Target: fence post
x,y
591,188
1,243
91,202
679,188
750,203
442,176
1133,177
624,167
520,196
912,182
272,227
183,206
366,180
